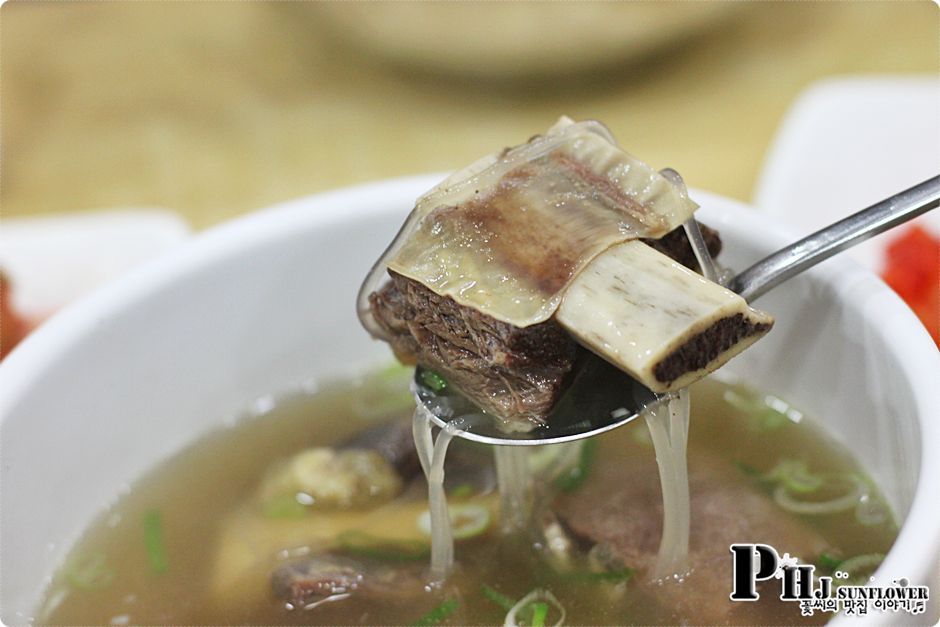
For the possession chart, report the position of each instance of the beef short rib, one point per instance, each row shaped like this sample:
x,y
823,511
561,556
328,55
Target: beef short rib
x,y
515,373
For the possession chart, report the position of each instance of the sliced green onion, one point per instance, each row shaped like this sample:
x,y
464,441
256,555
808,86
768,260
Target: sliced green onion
x,y
529,600
433,381
364,545
384,392
872,511
497,597
394,373
747,469
765,413
859,567
153,540
575,477
89,573
855,490
641,436
795,475
539,614
438,614
284,506
742,402
464,490
467,520
606,576
552,460
828,561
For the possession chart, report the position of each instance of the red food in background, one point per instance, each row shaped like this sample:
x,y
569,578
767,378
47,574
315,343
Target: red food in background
x,y
13,327
912,269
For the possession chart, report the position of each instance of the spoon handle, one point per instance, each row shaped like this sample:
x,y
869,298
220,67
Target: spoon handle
x,y
806,253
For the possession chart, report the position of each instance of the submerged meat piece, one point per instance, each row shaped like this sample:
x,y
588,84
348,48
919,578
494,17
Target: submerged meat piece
x,y
313,579
517,373
393,441
365,470
468,464
308,581
325,478
620,510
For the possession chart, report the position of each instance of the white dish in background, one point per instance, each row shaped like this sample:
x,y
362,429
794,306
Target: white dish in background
x,y
52,260
267,302
536,40
848,143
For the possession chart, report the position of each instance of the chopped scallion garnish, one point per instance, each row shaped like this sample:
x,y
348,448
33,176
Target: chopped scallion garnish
x,y
829,561
436,615
359,543
607,576
433,381
847,490
284,506
384,392
522,613
871,510
747,469
764,413
539,613
859,568
467,520
153,540
573,478
497,597
463,491
795,475
89,573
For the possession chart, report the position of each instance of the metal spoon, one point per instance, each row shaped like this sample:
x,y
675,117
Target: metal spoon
x,y
583,412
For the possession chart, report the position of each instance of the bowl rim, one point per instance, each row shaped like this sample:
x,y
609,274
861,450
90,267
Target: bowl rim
x,y
23,368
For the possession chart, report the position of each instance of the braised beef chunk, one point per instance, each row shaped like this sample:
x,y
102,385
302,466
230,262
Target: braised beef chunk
x,y
623,519
314,579
675,244
394,442
468,463
516,373
512,372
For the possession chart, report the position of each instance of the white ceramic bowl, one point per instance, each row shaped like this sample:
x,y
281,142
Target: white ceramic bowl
x,y
116,383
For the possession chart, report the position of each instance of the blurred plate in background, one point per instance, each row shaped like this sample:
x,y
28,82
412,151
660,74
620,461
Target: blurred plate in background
x,y
847,143
53,260
505,40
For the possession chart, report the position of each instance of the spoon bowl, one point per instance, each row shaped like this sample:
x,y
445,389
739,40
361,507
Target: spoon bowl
x,y
580,413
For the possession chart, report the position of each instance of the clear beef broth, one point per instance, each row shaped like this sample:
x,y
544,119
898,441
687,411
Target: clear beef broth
x,y
220,548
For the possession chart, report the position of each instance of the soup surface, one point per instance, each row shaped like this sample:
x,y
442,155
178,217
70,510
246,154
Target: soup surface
x,y
197,540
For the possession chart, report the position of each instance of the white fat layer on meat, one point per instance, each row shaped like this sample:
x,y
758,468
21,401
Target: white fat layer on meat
x,y
458,258
634,306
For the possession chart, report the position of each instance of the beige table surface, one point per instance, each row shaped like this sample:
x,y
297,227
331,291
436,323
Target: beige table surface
x,y
215,109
